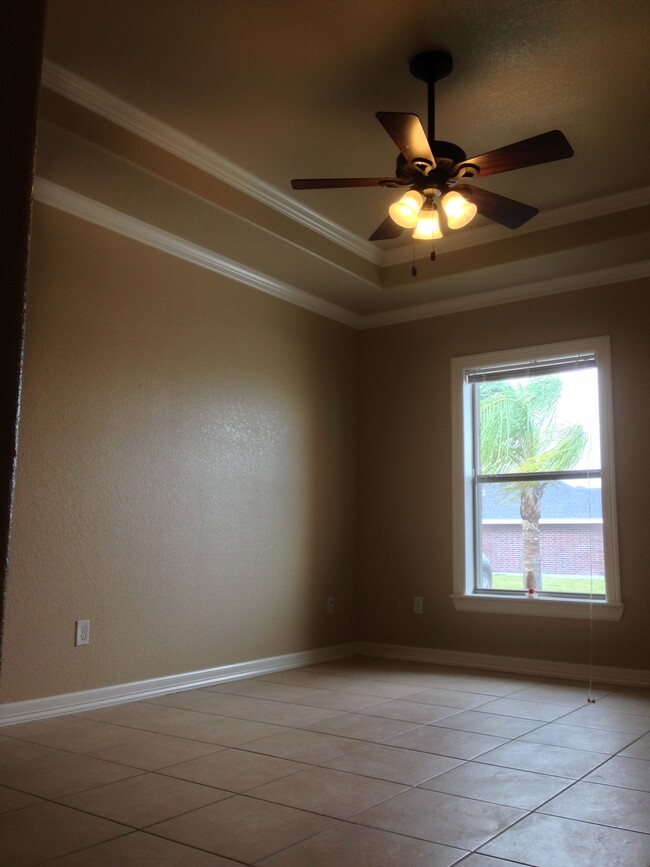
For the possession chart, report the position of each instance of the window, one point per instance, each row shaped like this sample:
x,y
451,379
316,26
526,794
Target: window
x,y
533,497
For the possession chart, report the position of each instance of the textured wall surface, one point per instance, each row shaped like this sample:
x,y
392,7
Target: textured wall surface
x,y
186,473
405,500
200,464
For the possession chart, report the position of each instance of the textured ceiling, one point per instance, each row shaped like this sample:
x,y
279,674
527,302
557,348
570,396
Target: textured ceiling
x,y
289,89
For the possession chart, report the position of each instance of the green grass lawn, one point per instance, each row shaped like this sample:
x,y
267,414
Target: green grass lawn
x,y
552,583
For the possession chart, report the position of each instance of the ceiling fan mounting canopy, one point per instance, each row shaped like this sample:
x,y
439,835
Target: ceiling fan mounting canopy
x,y
431,166
431,66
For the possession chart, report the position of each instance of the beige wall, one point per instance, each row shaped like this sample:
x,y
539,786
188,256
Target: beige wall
x,y
405,503
186,473
193,453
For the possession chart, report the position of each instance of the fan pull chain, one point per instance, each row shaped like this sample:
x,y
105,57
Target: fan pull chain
x,y
414,270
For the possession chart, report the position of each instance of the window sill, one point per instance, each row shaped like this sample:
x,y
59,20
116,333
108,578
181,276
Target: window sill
x,y
546,607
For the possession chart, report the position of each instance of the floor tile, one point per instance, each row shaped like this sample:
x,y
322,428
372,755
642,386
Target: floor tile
x,y
73,733
242,707
243,829
10,799
141,850
544,759
440,818
362,762
328,792
488,724
489,684
579,738
605,805
15,753
151,751
304,746
255,687
394,764
410,711
55,773
640,749
446,742
35,834
143,800
349,845
593,716
234,770
635,701
362,686
450,698
310,677
287,692
537,710
624,772
548,841
204,727
560,693
507,786
486,861
362,727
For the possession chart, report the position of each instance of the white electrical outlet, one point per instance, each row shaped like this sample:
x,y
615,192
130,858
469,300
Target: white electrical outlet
x,y
330,605
82,632
418,604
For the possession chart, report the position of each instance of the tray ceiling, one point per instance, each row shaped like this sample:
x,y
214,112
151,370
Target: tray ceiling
x,y
220,104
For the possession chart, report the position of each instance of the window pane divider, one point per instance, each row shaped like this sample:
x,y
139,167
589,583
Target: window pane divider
x,y
539,477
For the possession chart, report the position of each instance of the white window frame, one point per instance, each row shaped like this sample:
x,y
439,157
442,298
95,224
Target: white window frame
x,y
464,596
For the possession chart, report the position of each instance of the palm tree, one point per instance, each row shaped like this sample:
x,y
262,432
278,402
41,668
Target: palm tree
x,y
519,434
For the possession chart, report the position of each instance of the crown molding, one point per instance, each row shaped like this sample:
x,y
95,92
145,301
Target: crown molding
x,y
473,237
95,212
552,286
103,103
88,95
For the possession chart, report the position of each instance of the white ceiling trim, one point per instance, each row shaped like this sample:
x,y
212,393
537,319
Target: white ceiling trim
x,y
95,212
553,286
87,94
103,103
611,204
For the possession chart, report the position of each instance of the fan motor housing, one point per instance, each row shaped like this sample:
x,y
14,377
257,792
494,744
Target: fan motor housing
x,y
446,154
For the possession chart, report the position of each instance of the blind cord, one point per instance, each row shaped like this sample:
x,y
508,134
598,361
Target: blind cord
x,y
590,698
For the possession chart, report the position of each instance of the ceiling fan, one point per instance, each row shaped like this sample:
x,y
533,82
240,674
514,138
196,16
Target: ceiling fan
x,y
435,172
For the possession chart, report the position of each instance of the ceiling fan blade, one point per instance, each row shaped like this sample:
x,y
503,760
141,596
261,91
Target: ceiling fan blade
x,y
508,212
331,183
408,134
544,148
386,231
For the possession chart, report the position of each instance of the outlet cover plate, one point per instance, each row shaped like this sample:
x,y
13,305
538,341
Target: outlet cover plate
x,y
82,632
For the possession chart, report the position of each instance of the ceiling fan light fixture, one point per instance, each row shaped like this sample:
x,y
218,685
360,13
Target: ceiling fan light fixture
x,y
458,209
428,225
405,211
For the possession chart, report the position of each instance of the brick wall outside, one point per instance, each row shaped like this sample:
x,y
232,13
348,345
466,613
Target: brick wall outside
x,y
567,549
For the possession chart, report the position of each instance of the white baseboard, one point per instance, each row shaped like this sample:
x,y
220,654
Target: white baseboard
x,y
74,702
513,664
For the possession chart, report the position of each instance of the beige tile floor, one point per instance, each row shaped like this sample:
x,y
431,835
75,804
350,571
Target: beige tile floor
x,y
353,763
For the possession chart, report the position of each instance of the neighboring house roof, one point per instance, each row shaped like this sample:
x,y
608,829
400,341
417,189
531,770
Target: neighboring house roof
x,y
559,501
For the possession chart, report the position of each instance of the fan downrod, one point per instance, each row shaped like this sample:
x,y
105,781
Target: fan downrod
x,y
431,66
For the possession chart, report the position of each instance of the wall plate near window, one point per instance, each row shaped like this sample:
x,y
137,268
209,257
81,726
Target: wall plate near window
x,y
534,517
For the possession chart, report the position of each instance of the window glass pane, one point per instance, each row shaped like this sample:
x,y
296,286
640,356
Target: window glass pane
x,y
539,423
560,543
